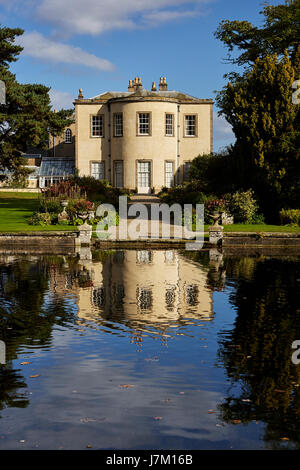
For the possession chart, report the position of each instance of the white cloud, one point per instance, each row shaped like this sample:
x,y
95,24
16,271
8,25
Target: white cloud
x,y
39,47
61,99
97,16
223,134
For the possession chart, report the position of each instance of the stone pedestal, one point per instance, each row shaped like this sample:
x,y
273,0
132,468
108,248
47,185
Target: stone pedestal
x,y
84,234
215,234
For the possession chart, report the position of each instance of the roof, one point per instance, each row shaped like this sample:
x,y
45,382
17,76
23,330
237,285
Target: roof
x,y
143,94
57,166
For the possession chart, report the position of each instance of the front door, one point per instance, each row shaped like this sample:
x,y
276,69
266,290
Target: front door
x,y
144,177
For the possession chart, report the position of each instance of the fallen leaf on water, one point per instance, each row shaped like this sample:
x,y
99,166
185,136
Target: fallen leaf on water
x,y
157,418
25,363
246,400
87,420
34,376
181,393
280,391
167,400
210,411
89,446
236,421
284,439
126,386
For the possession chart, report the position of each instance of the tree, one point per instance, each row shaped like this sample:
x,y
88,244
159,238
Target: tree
x,y
265,122
26,118
280,32
258,104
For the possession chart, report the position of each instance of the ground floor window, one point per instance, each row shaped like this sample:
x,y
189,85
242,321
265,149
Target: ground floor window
x,y
118,174
186,171
169,174
97,170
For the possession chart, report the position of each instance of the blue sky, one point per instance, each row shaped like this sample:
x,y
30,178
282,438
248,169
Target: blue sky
x,y
98,45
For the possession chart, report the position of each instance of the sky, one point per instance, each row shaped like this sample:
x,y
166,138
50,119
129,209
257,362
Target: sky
x,y
98,45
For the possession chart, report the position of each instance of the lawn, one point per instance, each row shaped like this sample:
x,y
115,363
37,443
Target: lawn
x,y
16,208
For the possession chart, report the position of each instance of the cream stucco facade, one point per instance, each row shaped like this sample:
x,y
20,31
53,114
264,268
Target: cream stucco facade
x,y
139,139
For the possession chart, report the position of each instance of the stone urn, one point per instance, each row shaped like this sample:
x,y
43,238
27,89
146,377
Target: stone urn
x,y
63,215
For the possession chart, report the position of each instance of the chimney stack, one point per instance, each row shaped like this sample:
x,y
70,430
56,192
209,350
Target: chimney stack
x,y
163,86
137,84
153,86
80,95
130,86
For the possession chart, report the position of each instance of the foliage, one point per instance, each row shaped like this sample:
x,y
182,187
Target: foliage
x,y
64,190
258,104
186,193
40,218
242,205
290,216
50,204
98,190
26,118
82,205
278,33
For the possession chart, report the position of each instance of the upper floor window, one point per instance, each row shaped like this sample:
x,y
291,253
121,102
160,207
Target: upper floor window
x,y
68,136
170,124
118,125
143,123
190,125
97,125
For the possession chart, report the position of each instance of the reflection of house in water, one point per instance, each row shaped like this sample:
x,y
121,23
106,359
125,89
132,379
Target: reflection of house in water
x,y
156,289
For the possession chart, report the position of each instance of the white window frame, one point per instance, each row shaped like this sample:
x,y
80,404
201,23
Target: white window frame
x,y
169,125
118,124
190,122
144,123
68,136
97,125
169,173
100,174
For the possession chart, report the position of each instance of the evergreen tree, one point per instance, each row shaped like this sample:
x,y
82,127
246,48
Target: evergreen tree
x,y
26,118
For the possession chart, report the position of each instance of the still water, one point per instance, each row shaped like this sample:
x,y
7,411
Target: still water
x,y
149,350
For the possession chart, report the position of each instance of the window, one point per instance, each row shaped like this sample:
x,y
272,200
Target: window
x,y
144,124
68,136
170,124
169,171
98,296
97,170
98,126
118,174
118,125
144,298
186,171
190,125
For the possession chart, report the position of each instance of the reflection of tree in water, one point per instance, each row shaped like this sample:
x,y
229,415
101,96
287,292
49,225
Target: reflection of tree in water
x,y
26,317
257,352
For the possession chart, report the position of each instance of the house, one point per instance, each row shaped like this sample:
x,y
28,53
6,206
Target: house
x,y
141,139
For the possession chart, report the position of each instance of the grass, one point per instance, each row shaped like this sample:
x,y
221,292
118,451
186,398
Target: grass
x,y
16,208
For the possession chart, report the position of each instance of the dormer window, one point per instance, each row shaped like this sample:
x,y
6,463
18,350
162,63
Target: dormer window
x,y
68,136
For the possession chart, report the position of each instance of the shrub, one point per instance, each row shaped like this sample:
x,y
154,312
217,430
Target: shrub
x,y
51,205
243,206
40,218
289,217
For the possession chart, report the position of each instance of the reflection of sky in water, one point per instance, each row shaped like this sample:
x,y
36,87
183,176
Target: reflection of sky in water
x,y
163,348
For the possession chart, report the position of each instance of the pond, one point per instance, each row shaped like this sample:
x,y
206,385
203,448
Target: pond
x,y
149,349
